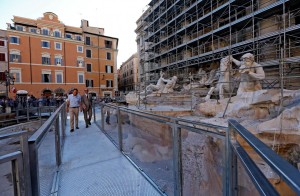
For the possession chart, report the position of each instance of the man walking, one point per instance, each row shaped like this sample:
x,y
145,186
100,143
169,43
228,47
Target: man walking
x,y
73,105
86,100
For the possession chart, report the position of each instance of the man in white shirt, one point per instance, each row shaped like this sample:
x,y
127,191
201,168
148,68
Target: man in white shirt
x,y
74,105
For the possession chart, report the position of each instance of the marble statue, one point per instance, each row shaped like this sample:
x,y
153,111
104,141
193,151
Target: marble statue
x,y
169,87
203,77
160,85
223,81
213,77
251,72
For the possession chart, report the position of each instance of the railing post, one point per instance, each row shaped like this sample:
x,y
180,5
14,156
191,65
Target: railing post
x,y
57,142
94,111
62,122
27,110
231,166
176,132
25,151
17,114
34,170
120,137
102,117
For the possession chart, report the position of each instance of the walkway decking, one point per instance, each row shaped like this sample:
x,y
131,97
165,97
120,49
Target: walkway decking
x,y
92,165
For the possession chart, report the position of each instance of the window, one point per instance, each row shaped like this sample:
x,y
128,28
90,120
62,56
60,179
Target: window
x,y
46,61
80,49
59,77
45,31
57,34
58,60
33,30
68,36
14,40
87,40
89,67
89,83
46,76
78,37
80,63
16,73
2,56
109,83
2,43
88,53
15,58
57,45
108,44
45,44
80,78
109,69
108,56
19,28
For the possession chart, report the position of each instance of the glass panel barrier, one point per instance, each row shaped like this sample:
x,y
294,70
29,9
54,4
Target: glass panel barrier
x,y
47,162
111,123
245,184
149,143
6,185
202,163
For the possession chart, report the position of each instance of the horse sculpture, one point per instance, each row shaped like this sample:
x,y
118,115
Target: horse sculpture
x,y
224,79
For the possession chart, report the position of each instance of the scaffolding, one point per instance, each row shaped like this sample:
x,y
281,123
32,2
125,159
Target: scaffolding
x,y
182,36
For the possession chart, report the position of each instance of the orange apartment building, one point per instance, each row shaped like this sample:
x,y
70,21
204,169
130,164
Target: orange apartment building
x,y
50,58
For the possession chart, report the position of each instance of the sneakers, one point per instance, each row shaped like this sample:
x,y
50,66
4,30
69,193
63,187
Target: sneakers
x,y
86,126
72,130
77,127
90,123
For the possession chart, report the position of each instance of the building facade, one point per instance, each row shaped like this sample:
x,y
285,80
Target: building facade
x,y
3,61
50,58
128,73
181,36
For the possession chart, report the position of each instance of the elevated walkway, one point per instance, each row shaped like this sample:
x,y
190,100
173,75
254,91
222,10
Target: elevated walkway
x,y
139,153
92,165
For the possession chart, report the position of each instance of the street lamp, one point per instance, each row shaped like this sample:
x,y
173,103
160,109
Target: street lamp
x,y
8,79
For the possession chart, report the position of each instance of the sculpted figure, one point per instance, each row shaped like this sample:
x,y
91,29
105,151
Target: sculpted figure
x,y
223,81
203,77
213,76
251,72
170,84
160,85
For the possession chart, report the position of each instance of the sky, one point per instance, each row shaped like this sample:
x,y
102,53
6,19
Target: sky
x,y
117,17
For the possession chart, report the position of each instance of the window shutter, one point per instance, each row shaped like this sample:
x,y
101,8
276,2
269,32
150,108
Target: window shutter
x,y
50,78
106,68
86,83
112,83
92,83
112,69
43,79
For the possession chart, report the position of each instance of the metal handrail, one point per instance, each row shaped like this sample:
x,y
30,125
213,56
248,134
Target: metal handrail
x,y
177,126
21,163
283,168
36,140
